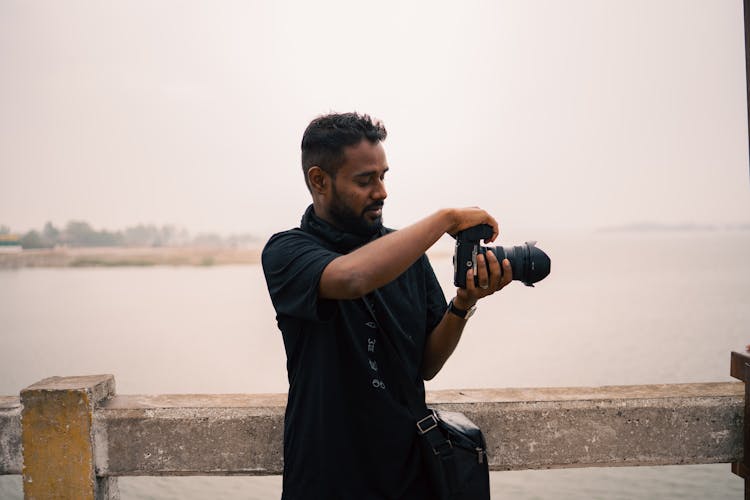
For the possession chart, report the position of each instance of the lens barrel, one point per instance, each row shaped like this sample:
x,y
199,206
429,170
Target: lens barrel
x,y
528,263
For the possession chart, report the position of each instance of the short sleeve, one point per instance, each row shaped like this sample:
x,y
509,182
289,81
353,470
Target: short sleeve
x,y
436,304
293,263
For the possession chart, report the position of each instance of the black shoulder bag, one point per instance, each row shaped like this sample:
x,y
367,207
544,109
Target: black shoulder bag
x,y
453,447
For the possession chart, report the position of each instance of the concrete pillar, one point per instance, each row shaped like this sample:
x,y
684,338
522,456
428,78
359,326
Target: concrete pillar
x,y
58,439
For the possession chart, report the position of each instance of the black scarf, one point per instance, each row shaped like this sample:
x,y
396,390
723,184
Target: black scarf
x,y
338,239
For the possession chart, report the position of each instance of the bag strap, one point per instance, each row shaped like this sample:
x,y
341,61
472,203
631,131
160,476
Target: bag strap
x,y
426,419
415,403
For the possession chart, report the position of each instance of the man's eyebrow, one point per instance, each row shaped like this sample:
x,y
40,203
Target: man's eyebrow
x,y
369,173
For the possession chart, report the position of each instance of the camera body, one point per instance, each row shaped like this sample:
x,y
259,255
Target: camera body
x,y
528,263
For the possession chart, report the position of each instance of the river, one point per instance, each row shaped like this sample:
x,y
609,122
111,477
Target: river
x,y
617,309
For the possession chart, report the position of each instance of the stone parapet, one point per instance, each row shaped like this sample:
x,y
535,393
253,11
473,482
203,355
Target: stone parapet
x,y
605,426
242,434
190,434
57,436
11,457
525,428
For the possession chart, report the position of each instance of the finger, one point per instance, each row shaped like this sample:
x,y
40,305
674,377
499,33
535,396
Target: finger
x,y
484,280
495,272
495,229
471,288
507,273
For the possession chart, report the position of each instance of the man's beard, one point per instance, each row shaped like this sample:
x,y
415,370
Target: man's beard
x,y
349,221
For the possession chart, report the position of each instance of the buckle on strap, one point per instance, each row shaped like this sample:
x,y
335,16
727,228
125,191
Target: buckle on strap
x,y
430,422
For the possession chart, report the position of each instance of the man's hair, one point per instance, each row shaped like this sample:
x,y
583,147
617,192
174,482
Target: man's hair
x,y
326,137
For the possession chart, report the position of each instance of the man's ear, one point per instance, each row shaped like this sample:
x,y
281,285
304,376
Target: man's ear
x,y
319,179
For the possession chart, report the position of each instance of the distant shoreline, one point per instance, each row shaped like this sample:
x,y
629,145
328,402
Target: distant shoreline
x,y
141,257
129,257
656,227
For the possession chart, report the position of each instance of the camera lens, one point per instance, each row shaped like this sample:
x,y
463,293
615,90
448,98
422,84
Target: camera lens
x,y
528,263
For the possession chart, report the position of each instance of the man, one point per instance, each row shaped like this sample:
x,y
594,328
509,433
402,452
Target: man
x,y
348,434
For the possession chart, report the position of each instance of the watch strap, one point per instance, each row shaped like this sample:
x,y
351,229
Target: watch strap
x,y
461,313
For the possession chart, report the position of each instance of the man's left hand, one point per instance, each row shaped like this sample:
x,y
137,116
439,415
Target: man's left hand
x,y
488,283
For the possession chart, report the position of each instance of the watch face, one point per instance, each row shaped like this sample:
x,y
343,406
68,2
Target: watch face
x,y
470,312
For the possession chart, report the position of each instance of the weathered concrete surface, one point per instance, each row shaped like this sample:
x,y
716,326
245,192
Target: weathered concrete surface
x,y
607,426
57,437
190,434
11,458
525,428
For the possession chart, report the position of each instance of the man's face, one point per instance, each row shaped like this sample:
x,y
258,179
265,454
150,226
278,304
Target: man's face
x,y
358,190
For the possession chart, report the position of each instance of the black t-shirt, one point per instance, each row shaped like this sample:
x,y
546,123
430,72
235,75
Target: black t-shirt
x,y
348,434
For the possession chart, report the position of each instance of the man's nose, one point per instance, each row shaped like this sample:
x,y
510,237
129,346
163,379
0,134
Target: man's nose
x,y
380,193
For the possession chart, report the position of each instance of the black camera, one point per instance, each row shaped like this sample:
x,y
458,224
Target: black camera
x,y
528,263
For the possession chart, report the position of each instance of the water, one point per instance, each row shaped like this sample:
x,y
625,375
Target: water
x,y
618,308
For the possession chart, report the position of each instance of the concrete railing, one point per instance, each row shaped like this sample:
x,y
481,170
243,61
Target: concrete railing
x,y
71,437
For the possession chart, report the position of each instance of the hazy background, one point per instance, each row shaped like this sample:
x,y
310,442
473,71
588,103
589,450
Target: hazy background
x,y
558,116
550,114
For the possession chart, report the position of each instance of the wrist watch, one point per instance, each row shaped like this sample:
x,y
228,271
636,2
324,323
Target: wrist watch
x,y
462,313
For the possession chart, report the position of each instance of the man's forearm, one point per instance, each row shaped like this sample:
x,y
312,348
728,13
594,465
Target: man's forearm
x,y
444,338
373,265
442,342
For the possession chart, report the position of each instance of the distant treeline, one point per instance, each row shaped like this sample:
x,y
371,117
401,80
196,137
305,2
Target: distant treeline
x,y
81,234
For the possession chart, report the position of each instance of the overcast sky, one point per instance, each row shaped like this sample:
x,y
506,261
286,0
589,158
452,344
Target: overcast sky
x,y
550,114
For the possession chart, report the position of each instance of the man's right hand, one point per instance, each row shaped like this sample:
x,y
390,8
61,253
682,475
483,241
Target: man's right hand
x,y
464,218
